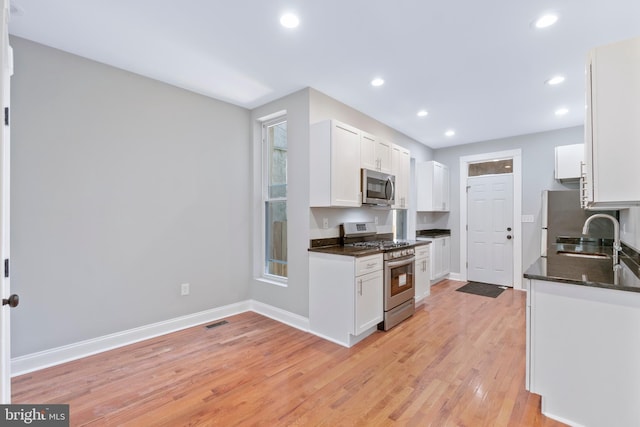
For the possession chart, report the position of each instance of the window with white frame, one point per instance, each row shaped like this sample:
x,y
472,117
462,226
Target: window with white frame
x,y
275,197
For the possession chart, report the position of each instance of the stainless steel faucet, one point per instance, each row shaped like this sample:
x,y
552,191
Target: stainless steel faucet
x,y
616,235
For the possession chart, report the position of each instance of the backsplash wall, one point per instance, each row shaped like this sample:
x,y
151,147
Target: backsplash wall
x,y
336,216
630,227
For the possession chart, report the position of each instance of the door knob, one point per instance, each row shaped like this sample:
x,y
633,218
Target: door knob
x,y
12,301
509,236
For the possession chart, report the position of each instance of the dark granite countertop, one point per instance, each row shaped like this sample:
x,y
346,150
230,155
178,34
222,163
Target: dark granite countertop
x,y
594,272
358,251
434,232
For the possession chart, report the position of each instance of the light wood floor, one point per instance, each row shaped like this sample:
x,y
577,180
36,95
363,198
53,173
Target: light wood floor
x,y
459,361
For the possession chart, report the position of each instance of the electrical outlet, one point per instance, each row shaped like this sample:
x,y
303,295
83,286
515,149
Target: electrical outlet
x,y
325,223
527,218
184,289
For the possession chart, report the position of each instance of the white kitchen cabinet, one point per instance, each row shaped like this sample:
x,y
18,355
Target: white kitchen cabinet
x,y
335,165
369,303
568,161
375,153
401,164
440,257
345,296
443,257
612,128
583,351
422,272
432,183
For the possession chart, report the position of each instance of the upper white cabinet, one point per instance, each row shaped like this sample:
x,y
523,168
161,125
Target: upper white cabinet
x,y
335,165
401,163
375,153
612,127
432,182
568,161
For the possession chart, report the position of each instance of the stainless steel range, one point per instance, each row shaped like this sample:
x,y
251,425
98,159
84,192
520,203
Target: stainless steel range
x,y
399,266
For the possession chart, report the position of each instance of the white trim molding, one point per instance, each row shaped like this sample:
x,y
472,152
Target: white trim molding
x,y
55,356
282,316
516,155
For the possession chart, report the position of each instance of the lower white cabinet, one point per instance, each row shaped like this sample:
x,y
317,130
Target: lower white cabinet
x,y
440,256
583,348
345,296
422,272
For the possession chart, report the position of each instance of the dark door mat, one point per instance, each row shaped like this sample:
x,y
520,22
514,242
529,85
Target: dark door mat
x,y
484,289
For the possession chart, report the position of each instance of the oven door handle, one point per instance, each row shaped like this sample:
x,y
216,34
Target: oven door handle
x,y
401,262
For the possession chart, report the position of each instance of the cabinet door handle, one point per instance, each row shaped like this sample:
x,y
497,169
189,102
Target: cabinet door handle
x,y
360,282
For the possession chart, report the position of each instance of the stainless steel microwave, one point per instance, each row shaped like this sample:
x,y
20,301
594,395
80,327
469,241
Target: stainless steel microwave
x,y
378,188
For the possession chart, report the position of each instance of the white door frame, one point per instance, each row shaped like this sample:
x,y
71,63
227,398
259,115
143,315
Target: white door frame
x,y
6,69
516,155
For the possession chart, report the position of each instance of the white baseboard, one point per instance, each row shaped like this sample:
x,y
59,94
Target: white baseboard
x,y
55,356
455,276
282,316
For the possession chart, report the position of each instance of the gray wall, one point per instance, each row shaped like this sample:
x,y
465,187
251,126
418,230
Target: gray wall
x,y
120,192
538,162
294,297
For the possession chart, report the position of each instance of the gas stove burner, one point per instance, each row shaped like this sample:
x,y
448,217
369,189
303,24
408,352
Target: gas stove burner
x,y
380,244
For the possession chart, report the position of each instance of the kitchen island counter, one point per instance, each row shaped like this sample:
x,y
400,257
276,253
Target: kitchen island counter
x,y
588,271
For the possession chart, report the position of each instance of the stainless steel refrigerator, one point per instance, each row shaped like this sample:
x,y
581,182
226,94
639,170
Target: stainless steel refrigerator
x,y
562,216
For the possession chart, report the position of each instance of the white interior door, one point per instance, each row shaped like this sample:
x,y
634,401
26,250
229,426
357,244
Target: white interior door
x,y
5,331
490,229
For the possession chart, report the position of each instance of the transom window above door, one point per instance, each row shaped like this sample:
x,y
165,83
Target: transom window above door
x,y
491,167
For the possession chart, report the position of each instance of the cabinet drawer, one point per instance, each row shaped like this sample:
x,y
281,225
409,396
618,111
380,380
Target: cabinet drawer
x,y
422,251
368,264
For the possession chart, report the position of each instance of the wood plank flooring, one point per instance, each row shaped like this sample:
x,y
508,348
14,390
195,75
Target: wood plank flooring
x,y
459,361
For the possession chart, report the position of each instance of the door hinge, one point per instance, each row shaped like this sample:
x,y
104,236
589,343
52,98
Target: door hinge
x,y
6,116
467,227
6,267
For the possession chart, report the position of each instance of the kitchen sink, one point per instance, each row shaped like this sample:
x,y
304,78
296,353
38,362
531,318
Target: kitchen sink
x,y
580,254
584,249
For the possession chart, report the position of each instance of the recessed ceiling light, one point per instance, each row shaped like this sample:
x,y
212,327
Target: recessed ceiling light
x,y
289,20
545,21
377,82
561,111
555,80
450,133
422,113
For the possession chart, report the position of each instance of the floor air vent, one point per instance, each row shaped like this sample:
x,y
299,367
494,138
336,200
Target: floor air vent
x,y
216,324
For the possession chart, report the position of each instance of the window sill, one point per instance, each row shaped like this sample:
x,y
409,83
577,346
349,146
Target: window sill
x,y
273,281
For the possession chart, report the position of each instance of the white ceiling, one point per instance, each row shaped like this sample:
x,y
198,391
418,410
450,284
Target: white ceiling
x,y
478,67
